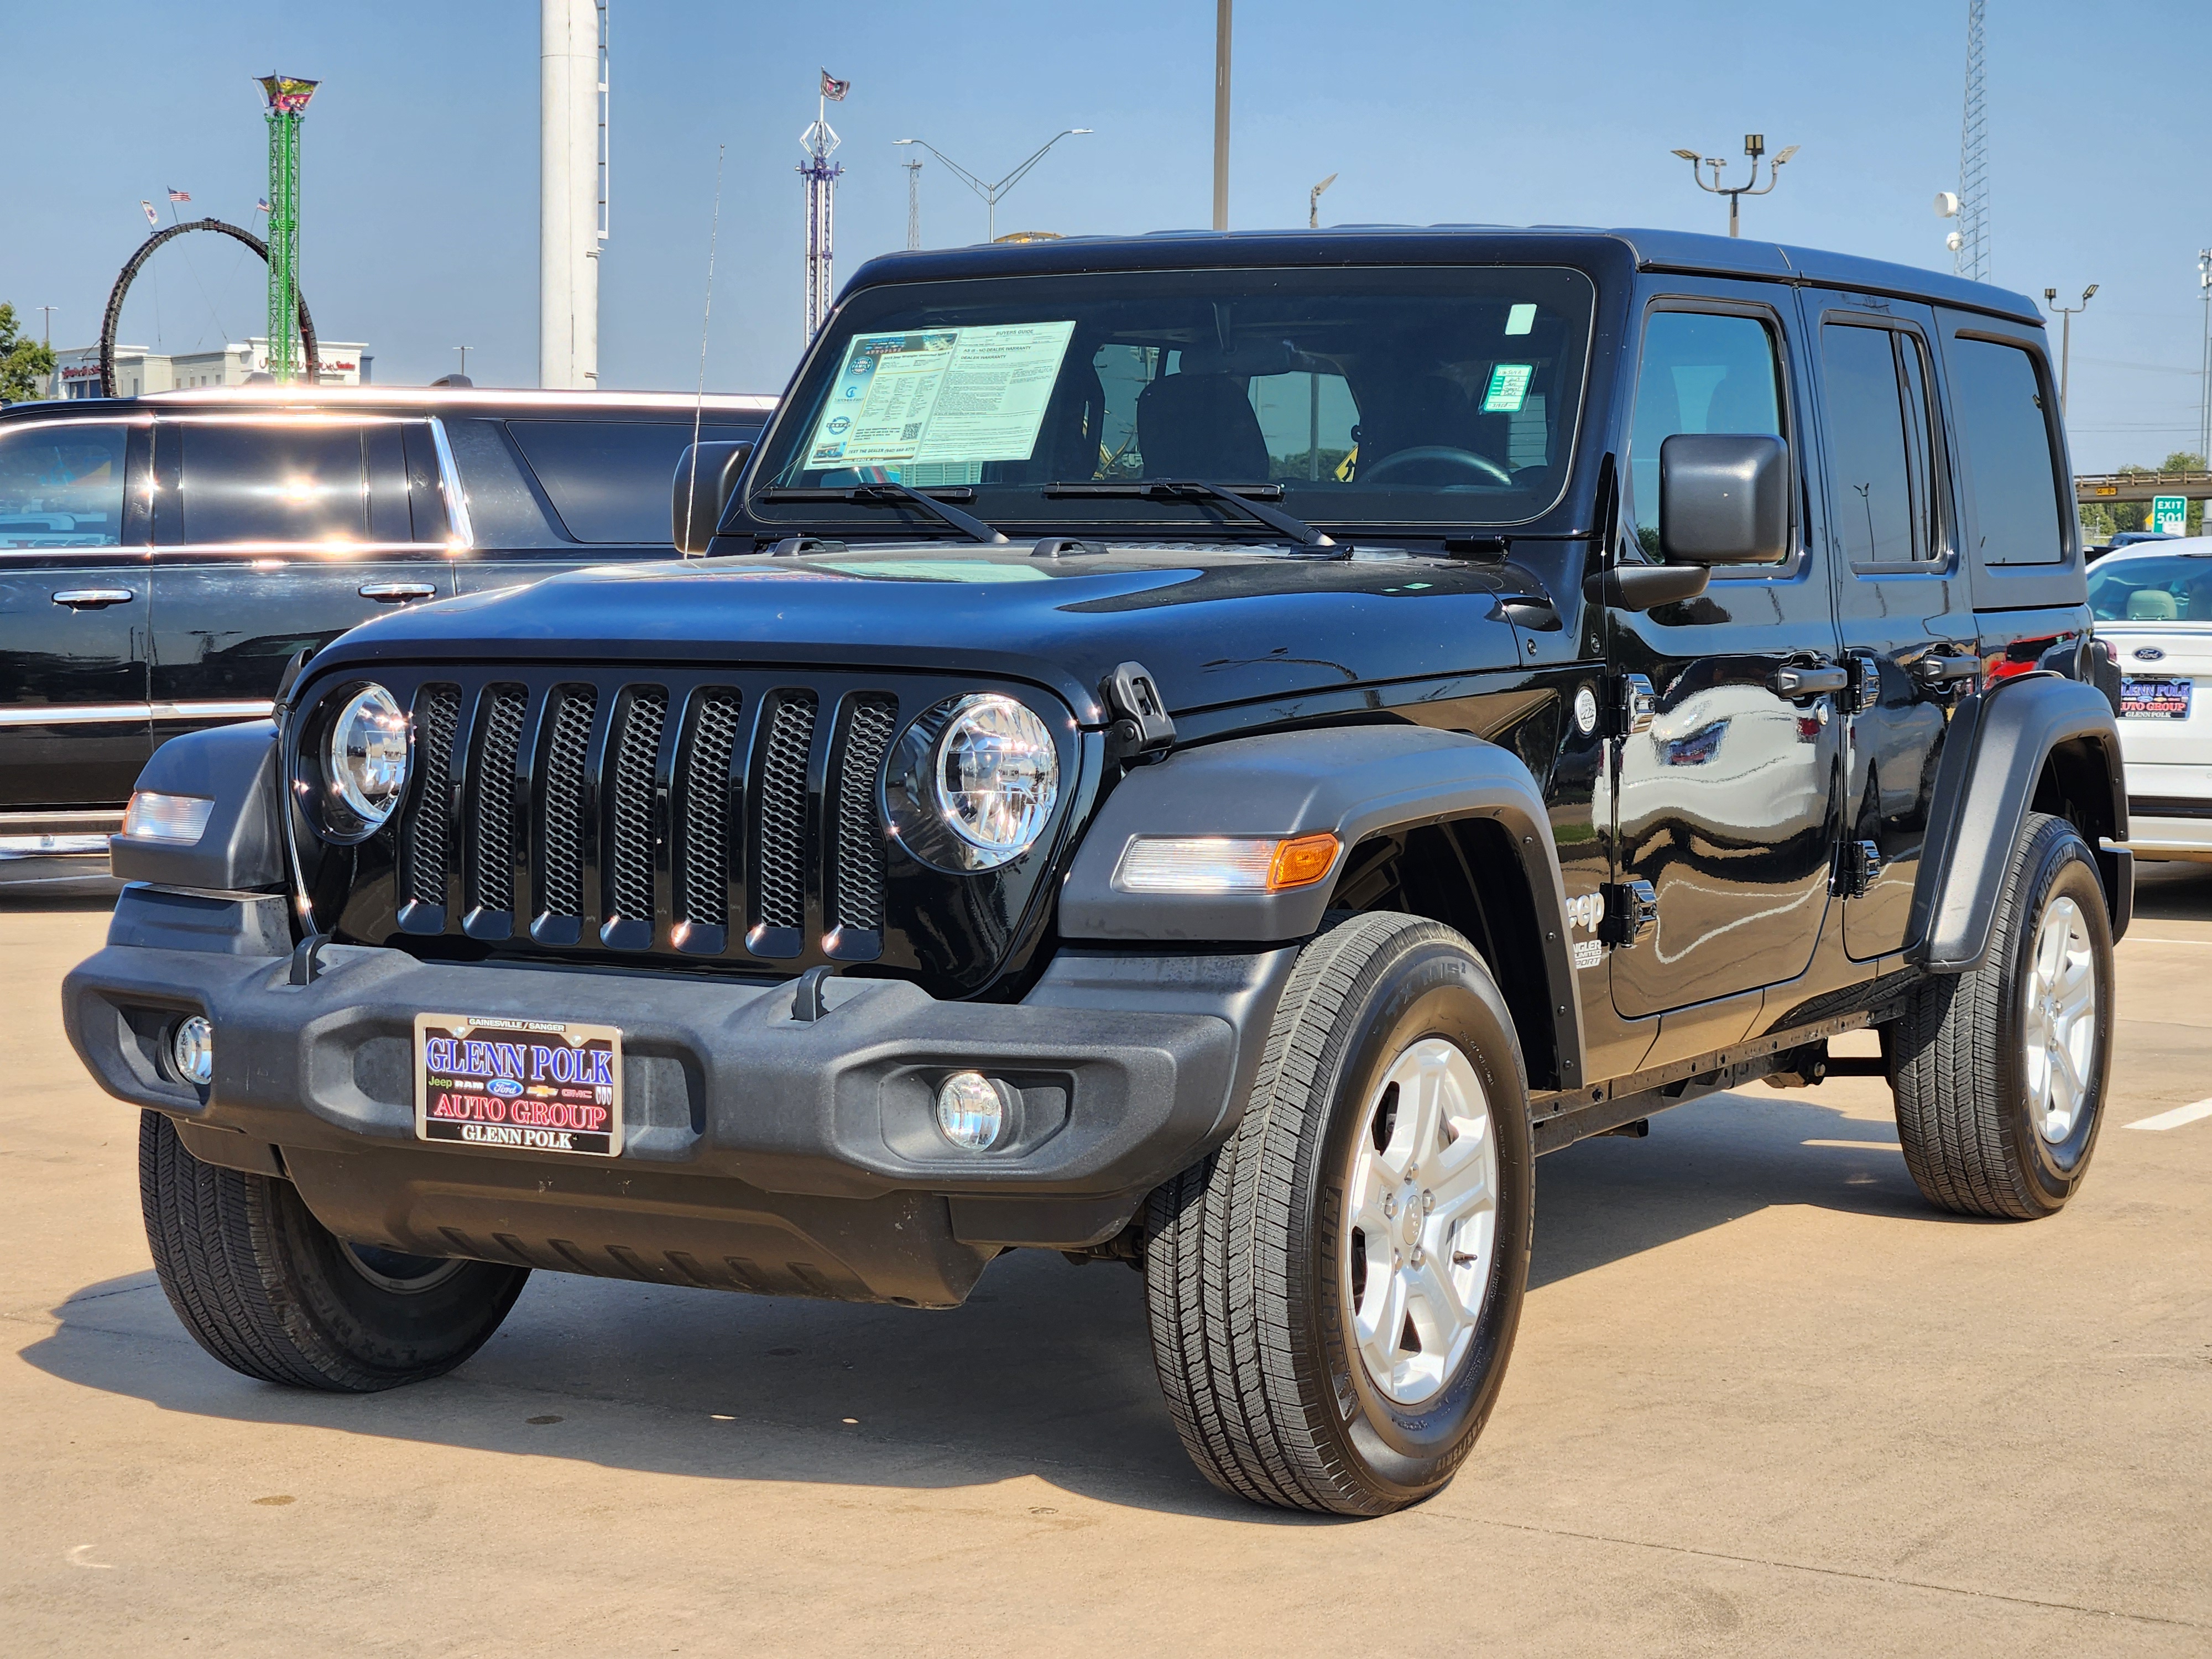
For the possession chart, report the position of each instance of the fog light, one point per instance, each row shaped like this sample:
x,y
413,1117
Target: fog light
x,y
971,1111
192,1045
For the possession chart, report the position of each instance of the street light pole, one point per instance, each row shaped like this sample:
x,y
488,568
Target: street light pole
x,y
1221,33
1754,146
2066,337
2204,375
1313,203
992,194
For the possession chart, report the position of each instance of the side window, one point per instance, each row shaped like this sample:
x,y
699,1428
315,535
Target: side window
x,y
2011,463
610,480
1869,446
1921,429
272,484
1700,373
503,510
61,485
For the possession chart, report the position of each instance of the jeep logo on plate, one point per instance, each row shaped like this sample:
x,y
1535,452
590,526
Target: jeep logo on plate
x,y
2149,654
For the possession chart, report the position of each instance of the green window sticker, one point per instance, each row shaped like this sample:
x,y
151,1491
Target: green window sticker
x,y
1522,319
1509,388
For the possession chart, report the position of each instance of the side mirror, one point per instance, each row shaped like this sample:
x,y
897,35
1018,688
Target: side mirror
x,y
706,478
1724,498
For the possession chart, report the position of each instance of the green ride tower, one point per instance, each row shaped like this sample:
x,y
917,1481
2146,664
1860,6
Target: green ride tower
x,y
288,96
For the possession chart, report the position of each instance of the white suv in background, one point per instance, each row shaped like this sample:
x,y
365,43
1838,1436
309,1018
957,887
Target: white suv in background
x,y
2153,607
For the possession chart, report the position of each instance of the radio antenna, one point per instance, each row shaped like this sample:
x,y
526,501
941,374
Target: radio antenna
x,y
706,315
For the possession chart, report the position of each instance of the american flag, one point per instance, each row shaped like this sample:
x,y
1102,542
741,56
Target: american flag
x,y
833,88
176,195
261,204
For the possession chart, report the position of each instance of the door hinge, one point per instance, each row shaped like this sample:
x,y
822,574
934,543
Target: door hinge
x,y
1631,909
1866,683
1635,705
1857,864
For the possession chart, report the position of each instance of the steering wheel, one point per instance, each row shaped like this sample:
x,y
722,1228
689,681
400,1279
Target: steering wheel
x,y
1461,460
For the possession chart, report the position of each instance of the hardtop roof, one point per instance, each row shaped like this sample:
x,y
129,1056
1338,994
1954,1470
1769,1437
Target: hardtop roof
x,y
413,400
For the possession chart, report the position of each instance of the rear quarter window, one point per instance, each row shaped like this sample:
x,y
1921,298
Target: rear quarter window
x,y
610,480
2012,466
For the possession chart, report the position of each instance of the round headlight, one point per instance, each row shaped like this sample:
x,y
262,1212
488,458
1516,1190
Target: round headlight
x,y
995,776
365,757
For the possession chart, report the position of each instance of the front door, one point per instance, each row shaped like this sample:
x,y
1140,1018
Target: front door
x,y
74,613
1726,800
1907,624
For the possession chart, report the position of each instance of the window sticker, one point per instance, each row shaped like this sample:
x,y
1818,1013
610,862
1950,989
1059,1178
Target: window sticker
x,y
1509,388
1522,319
938,397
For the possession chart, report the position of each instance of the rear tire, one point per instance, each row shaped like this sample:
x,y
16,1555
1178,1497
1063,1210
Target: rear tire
x,y
2000,1074
270,1292
1334,1294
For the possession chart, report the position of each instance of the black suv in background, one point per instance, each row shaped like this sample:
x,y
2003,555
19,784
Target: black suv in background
x,y
161,558
1207,751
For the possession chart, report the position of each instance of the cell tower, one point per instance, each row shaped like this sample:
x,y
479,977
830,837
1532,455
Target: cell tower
x,y
913,202
1971,257
287,96
820,175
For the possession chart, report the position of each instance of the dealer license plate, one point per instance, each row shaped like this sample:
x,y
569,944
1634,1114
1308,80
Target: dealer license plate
x,y
2154,700
536,1086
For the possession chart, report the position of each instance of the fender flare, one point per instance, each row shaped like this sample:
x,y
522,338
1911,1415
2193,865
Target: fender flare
x,y
2000,742
1356,782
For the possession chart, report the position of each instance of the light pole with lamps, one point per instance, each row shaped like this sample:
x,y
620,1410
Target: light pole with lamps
x,y
2204,375
1754,146
2066,336
992,194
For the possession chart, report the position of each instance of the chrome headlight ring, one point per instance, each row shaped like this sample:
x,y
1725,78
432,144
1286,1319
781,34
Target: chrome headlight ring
x,y
362,755
972,782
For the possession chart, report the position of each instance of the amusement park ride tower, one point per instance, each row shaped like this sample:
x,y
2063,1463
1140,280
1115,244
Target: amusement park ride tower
x,y
288,96
820,175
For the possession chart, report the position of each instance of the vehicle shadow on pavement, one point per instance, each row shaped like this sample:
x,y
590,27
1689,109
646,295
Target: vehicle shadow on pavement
x,y
2173,892
1045,1372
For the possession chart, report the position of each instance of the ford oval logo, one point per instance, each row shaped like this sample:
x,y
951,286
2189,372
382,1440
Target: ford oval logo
x,y
2149,654
505,1086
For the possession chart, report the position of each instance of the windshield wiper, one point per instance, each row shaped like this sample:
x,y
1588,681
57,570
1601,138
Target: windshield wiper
x,y
888,494
1196,489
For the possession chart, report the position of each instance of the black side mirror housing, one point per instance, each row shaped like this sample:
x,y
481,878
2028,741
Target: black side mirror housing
x,y
705,478
1724,498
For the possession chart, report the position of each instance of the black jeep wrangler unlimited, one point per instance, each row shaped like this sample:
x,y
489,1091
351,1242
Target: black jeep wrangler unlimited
x,y
1214,752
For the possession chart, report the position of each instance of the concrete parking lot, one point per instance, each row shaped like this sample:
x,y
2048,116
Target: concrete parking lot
x,y
1765,1399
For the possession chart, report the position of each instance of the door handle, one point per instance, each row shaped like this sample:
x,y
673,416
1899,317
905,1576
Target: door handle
x,y
397,593
1810,680
1942,671
92,598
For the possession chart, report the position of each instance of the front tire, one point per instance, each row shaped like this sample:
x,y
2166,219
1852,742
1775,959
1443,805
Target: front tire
x,y
1334,1294
2000,1074
269,1291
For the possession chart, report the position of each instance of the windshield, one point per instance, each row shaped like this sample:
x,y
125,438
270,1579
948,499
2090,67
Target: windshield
x,y
2166,588
1416,396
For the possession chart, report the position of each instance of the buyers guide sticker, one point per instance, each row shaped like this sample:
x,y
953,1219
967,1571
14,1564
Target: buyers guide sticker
x,y
940,395
538,1085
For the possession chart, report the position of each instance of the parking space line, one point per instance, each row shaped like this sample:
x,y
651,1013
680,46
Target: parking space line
x,y
2174,1119
2152,938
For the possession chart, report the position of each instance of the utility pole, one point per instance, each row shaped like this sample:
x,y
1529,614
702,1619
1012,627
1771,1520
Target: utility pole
x,y
49,329
2066,336
913,202
464,350
2204,375
1754,146
1221,33
1970,253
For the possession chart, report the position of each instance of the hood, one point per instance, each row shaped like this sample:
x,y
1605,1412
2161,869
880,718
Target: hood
x,y
1214,625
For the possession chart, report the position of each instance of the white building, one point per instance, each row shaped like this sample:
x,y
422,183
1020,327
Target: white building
x,y
138,371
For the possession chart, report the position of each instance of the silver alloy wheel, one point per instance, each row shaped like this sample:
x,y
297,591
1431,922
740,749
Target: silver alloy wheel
x,y
1422,1203
394,1270
2060,1030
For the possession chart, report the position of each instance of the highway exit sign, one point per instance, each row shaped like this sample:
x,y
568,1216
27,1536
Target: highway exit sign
x,y
2169,515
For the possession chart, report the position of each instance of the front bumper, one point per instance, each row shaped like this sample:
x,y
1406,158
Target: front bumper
x,y
762,1152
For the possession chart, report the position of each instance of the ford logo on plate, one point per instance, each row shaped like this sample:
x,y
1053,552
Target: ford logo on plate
x,y
503,1087
2149,654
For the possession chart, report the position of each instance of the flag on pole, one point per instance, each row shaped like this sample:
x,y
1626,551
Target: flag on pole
x,y
147,207
261,204
176,195
833,88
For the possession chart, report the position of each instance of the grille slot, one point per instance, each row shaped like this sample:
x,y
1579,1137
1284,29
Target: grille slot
x,y
560,827
779,859
491,839
870,722
437,714
704,894
630,871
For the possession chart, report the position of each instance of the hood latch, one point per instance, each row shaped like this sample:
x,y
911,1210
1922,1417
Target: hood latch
x,y
1141,725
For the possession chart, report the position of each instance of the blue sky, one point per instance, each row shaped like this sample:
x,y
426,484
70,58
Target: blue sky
x,y
420,152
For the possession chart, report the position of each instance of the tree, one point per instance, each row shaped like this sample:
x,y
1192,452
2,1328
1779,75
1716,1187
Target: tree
x,y
23,362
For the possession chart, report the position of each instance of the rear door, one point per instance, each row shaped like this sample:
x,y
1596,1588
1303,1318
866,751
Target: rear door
x,y
1902,605
554,494
74,613
271,535
1727,803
